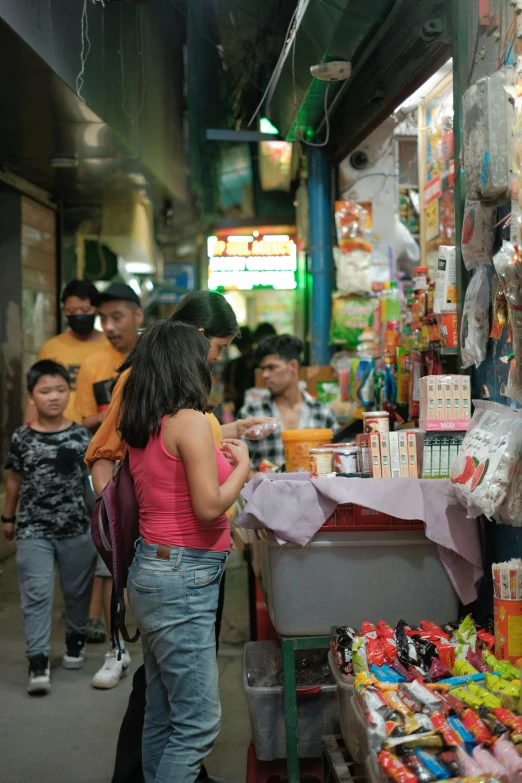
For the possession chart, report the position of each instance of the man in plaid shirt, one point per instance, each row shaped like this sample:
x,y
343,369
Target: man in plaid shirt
x,y
280,358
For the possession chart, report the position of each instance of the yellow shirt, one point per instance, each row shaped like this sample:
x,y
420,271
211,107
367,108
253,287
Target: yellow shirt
x,y
93,387
68,350
107,443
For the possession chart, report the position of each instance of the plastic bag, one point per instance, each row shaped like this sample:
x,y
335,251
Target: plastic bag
x,y
474,329
350,316
508,265
478,234
353,271
260,431
353,222
487,461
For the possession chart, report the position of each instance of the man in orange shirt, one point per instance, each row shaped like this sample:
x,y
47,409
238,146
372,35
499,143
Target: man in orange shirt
x,y
72,347
121,317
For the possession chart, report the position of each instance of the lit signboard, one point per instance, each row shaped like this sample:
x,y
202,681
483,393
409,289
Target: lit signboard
x,y
246,261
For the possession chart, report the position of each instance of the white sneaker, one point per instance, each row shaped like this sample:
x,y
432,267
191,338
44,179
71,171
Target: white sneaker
x,y
112,670
39,676
74,656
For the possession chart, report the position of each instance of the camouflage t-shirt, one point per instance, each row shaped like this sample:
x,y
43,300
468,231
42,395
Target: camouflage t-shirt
x,y
52,500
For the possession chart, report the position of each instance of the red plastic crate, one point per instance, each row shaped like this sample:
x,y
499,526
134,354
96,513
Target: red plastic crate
x,y
348,516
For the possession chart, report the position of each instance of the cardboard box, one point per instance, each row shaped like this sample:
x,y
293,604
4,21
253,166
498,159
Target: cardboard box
x,y
403,454
413,459
385,455
376,455
395,460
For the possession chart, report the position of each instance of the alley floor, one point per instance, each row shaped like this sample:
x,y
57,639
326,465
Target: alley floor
x,y
70,736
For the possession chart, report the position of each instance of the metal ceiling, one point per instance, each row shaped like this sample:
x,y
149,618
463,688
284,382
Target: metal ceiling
x,y
392,44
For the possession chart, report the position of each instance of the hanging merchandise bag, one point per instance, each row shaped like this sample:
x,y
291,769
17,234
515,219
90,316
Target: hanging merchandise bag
x,y
474,331
486,465
478,234
508,265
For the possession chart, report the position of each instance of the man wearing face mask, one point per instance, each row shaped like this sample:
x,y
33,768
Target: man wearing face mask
x,y
80,300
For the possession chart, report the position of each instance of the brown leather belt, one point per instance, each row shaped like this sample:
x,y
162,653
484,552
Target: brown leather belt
x,y
163,552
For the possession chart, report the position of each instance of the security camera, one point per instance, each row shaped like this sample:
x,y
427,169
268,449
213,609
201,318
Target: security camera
x,y
335,71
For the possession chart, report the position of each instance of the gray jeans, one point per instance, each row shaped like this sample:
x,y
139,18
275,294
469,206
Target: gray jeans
x,y
36,559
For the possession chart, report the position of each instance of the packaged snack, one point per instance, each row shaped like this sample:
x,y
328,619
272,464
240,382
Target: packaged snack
x,y
468,698
351,315
459,728
487,460
508,693
474,329
437,671
359,659
395,768
450,737
456,705
409,675
426,650
260,431
384,630
406,650
495,726
463,667
435,766
477,662
466,633
390,649
513,722
386,674
422,773
450,760
341,643
505,669
396,704
414,741
432,701
374,651
486,697
478,234
508,266
488,763
446,653
476,727
434,629
505,754
374,700
468,766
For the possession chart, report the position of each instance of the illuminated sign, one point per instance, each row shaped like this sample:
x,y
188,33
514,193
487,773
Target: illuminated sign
x,y
250,260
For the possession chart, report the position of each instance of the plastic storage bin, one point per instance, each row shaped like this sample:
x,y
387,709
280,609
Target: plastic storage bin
x,y
348,577
317,712
298,443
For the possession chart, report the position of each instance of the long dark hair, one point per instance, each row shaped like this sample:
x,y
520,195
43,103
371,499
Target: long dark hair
x,y
209,311
170,371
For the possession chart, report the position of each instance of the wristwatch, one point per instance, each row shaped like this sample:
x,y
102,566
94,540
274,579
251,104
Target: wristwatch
x,y
8,520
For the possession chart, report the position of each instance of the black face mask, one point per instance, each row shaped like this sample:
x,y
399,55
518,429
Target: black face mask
x,y
81,324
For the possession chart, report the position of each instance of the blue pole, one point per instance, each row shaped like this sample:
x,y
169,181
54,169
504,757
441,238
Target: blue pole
x,y
321,265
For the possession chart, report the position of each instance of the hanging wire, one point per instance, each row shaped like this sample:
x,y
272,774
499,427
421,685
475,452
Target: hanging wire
x,y
133,117
85,50
299,136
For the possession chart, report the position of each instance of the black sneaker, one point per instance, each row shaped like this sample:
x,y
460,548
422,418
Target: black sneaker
x,y
39,675
74,657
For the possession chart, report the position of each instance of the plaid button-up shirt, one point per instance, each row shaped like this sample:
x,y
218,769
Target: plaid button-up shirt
x,y
313,414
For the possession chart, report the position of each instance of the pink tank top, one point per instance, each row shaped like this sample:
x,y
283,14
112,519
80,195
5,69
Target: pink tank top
x,y
163,495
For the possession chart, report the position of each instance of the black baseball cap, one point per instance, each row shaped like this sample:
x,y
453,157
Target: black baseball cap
x,y
120,291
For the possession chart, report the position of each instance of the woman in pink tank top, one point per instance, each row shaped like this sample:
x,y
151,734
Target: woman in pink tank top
x,y
184,485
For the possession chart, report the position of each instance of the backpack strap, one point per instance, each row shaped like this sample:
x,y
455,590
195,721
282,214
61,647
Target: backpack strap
x,y
118,625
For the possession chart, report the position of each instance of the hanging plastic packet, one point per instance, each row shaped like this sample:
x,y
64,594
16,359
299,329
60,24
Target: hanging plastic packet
x,y
260,431
474,330
478,234
482,473
508,265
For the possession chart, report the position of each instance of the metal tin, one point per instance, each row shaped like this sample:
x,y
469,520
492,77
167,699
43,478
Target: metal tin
x,y
321,462
345,459
376,421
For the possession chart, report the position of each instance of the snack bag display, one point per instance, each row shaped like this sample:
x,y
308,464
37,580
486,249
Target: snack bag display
x,y
351,315
508,266
483,471
474,330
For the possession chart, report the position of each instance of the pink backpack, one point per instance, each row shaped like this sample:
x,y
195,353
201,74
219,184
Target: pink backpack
x,y
115,530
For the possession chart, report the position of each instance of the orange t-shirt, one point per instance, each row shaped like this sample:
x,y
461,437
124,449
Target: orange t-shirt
x,y
96,376
107,443
66,349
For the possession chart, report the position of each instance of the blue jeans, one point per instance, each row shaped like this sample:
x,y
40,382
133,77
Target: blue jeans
x,y
36,559
174,602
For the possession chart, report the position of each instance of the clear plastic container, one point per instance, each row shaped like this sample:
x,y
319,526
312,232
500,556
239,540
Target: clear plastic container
x,y
317,711
343,578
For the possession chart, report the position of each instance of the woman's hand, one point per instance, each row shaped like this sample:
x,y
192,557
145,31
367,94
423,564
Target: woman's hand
x,y
236,452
